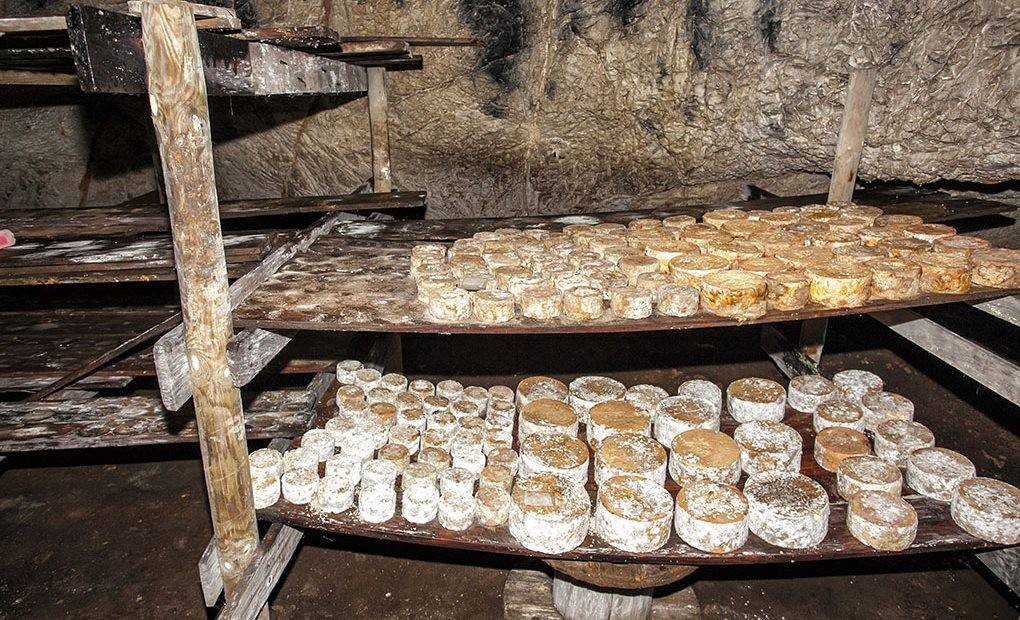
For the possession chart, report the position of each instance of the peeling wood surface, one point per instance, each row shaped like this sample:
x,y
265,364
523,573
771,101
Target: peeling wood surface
x,y
138,420
119,220
936,530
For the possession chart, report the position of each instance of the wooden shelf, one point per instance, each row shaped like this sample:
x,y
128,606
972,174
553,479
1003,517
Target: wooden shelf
x,y
356,278
936,530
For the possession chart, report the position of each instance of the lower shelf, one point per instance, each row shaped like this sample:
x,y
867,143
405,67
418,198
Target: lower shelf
x,y
936,530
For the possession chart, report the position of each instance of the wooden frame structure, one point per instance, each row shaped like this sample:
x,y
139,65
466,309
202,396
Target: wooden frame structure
x,y
204,360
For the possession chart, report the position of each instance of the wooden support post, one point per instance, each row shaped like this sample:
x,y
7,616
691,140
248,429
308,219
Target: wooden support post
x,y
180,115
851,134
378,121
578,601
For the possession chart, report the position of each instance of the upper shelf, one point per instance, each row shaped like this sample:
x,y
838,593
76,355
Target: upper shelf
x,y
357,277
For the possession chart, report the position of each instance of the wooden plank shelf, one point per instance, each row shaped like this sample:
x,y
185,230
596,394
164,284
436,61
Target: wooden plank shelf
x,y
356,278
936,530
107,422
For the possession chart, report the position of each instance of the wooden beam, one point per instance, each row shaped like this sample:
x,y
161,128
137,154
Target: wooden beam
x,y
1004,564
169,355
259,579
180,116
33,24
790,359
978,363
252,350
851,134
18,77
1005,308
382,175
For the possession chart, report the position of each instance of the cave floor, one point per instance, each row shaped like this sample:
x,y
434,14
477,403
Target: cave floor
x,y
117,533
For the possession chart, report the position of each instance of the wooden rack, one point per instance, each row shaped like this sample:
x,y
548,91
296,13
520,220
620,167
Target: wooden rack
x,y
169,55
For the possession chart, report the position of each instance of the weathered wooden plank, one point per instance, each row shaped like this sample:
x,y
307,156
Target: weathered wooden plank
x,y
180,116
32,24
251,350
791,360
169,354
21,77
1005,308
578,601
274,554
852,131
994,372
107,55
382,176
1005,564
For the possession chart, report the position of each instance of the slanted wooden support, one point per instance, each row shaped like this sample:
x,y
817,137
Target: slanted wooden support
x,y
792,360
1005,308
180,116
851,134
994,372
378,122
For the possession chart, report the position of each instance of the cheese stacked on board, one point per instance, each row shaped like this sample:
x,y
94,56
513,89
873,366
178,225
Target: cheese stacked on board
x,y
442,452
735,263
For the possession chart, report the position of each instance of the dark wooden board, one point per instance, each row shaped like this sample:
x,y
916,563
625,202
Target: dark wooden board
x,y
137,420
345,283
936,530
118,220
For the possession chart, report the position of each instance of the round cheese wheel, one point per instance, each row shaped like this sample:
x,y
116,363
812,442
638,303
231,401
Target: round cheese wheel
x,y
492,507
904,247
266,461
881,520
745,229
838,413
334,495
468,457
496,475
834,444
397,454
367,378
806,392
882,406
616,416
735,250
492,306
632,514
419,503
265,489
717,217
754,398
379,472
380,395
450,389
859,253
586,392
678,221
583,303
456,512
666,250
350,398
427,252
631,302
848,223
345,371
547,415
422,388
832,239
929,232
299,485
867,212
961,245
678,300
554,453
506,457
997,267
435,456
500,393
766,445
896,439
944,273
777,241
345,465
629,454
867,473
645,397
787,509
442,420
711,516
678,414
896,220
384,412
549,513
762,265
935,472
804,257
300,458
705,390
633,266
689,269
876,236
703,454
854,384
988,509
534,388
787,290
450,305
894,278
540,302
735,294
838,286
457,481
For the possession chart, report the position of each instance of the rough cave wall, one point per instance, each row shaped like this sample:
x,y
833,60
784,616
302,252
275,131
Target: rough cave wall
x,y
578,105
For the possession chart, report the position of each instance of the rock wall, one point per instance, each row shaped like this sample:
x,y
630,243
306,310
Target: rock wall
x,y
578,105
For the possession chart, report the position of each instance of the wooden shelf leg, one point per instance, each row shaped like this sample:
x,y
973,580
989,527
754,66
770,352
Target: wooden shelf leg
x,y
800,359
851,134
180,116
378,117
579,601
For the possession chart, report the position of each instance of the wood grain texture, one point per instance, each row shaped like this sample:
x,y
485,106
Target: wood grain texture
x,y
936,530
251,350
998,374
378,123
180,116
274,554
852,132
577,601
117,421
1005,308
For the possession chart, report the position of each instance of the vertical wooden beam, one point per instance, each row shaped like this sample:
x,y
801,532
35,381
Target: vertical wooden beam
x,y
378,121
851,134
180,116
